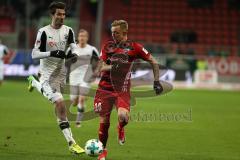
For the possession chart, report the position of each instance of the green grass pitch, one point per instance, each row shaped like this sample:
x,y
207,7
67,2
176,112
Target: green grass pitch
x,y
182,125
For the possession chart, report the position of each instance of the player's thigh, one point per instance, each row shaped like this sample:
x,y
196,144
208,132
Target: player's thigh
x,y
1,73
74,92
103,102
51,91
84,88
123,101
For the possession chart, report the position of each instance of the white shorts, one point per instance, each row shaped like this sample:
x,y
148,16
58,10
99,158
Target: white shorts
x,y
52,90
81,89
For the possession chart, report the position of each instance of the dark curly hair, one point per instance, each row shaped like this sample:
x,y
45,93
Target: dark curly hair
x,y
56,5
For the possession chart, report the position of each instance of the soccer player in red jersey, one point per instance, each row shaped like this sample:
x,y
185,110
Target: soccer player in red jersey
x,y
114,87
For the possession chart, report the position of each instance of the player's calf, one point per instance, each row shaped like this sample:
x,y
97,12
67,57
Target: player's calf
x,y
123,116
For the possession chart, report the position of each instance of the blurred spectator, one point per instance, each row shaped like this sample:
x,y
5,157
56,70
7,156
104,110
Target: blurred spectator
x,y
224,52
190,51
126,2
93,6
211,51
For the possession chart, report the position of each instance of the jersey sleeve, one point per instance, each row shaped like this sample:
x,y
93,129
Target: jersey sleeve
x,y
95,53
71,41
68,51
142,52
5,50
39,50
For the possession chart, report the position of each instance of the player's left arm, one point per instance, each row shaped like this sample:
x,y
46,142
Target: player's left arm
x,y
145,55
155,67
73,46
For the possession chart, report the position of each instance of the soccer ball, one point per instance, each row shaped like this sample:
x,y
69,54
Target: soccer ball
x,y
93,147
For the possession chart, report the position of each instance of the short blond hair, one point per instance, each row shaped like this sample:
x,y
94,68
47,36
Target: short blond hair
x,y
83,30
122,23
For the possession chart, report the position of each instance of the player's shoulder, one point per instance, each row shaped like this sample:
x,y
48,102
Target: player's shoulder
x,y
138,47
45,28
135,44
91,47
108,46
108,42
66,27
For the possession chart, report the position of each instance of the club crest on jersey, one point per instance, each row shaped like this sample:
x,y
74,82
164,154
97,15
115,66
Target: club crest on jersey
x,y
66,36
126,49
144,50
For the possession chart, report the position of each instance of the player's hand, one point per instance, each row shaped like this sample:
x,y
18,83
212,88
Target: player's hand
x,y
157,87
72,57
58,54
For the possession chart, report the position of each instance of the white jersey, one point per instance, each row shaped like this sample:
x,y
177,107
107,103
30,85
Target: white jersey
x,y
50,39
81,71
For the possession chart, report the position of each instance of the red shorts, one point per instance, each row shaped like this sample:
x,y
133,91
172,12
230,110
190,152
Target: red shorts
x,y
104,101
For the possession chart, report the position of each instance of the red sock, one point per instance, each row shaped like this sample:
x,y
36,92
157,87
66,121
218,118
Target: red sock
x,y
121,125
103,133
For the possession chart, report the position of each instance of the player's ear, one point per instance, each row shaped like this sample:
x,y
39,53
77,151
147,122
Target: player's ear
x,y
51,15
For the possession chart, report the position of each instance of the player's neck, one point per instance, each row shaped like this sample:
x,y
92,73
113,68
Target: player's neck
x,y
123,40
82,45
53,25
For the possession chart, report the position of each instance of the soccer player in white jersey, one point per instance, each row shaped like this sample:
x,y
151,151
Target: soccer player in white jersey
x,y
3,51
50,46
81,73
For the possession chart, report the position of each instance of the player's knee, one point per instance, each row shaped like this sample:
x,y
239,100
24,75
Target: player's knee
x,y
105,119
60,108
81,100
123,116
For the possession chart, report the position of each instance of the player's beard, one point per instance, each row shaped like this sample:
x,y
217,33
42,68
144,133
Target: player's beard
x,y
59,22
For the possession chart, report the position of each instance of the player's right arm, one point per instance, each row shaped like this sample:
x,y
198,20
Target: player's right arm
x,y
39,51
102,65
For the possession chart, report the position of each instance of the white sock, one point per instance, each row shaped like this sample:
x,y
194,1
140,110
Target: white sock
x,y
80,111
65,127
37,85
68,135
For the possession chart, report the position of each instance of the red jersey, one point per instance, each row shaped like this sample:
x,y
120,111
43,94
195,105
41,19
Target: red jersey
x,y
120,56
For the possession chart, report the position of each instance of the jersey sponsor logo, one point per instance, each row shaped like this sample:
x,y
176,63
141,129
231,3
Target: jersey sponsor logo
x,y
51,44
57,44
